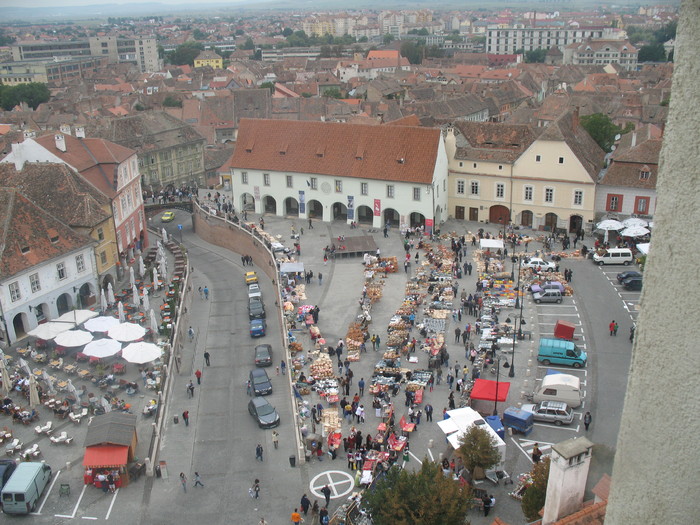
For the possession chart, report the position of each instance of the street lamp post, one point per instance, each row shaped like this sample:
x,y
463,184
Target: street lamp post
x,y
497,362
517,332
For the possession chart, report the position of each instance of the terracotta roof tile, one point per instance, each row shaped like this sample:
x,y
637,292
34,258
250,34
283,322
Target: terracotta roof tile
x,y
24,225
491,141
397,153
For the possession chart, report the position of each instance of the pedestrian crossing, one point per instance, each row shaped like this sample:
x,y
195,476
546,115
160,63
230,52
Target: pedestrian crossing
x,y
526,446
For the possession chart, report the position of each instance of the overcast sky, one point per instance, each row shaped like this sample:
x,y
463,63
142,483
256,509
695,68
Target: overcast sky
x,y
69,3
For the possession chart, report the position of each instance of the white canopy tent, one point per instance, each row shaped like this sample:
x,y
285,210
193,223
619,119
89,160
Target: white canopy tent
x,y
491,244
76,316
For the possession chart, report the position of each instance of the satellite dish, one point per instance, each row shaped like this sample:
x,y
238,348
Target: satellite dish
x,y
618,136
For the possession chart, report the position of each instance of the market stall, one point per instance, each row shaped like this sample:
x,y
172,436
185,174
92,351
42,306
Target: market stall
x,y
110,445
490,392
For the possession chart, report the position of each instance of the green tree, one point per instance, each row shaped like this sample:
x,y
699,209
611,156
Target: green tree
x,y
413,51
198,34
248,44
33,94
268,85
477,449
536,56
332,92
602,129
287,31
652,53
172,102
387,39
427,497
325,51
536,493
185,53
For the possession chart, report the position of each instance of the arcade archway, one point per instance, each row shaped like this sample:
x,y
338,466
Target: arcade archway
x,y
247,202
269,205
315,210
291,207
391,217
526,218
499,214
550,222
64,304
340,211
575,223
365,215
416,219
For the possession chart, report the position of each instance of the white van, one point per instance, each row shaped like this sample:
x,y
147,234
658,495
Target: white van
x,y
614,256
21,493
560,387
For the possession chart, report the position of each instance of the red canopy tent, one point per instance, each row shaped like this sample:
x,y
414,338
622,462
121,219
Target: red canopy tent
x,y
106,456
485,390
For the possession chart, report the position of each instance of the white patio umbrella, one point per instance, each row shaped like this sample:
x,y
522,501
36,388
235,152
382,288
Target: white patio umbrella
x,y
50,330
5,376
142,267
127,332
164,234
607,225
145,303
132,278
110,294
73,338
49,382
155,278
76,316
103,301
135,296
634,231
120,310
161,250
105,404
141,353
33,392
101,324
163,266
154,322
634,221
102,348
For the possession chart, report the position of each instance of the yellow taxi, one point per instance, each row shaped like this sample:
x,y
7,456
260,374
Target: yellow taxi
x,y
251,277
168,216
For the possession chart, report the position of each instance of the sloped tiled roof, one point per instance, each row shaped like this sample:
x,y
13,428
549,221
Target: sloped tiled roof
x,y
24,224
59,191
151,130
494,142
396,153
113,428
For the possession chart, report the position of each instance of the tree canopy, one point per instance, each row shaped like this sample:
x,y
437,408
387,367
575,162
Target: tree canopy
x,y
478,449
185,53
652,53
603,130
536,493
33,94
427,497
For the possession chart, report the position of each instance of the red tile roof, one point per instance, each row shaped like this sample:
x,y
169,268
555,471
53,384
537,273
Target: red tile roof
x,y
26,225
397,153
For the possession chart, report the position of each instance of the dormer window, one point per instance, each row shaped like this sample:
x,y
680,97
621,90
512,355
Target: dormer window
x,y
53,235
54,239
24,250
644,173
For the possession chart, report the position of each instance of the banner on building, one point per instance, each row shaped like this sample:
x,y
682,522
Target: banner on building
x,y
377,207
351,207
302,202
428,226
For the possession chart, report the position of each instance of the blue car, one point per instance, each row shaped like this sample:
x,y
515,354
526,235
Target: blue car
x,y
257,327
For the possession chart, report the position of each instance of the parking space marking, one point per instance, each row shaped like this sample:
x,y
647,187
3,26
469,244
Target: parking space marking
x,y
558,427
75,509
55,479
114,499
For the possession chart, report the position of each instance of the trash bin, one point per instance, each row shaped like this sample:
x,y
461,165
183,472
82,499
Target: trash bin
x,y
176,420
292,461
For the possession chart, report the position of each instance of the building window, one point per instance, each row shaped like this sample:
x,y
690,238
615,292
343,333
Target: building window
x,y
364,188
461,164
561,160
614,203
338,186
500,190
103,257
475,165
475,187
416,194
266,179
641,205
289,181
15,294
80,263
34,281
644,173
460,187
500,167
244,177
61,269
100,234
578,197
538,158
549,195
528,193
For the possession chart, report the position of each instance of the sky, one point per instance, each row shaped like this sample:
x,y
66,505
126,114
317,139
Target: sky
x,y
71,3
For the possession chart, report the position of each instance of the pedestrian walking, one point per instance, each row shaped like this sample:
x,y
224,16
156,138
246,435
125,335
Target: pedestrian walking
x,y
311,225
190,333
615,329
198,375
255,489
305,504
283,367
587,418
458,333
206,293
201,293
207,358
275,439
428,412
198,480
186,417
487,505
259,452
183,481
190,389
320,278
295,517
326,491
611,327
536,454
361,386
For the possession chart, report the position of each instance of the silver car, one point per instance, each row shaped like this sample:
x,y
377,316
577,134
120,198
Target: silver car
x,y
555,412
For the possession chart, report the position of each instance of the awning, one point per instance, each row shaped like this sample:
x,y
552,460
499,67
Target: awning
x,y
644,247
486,390
292,267
106,456
492,244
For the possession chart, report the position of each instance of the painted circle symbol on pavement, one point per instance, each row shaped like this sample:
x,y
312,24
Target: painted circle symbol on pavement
x,y
340,483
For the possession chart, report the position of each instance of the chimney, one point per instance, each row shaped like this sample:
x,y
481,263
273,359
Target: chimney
x,y
60,142
575,119
634,139
80,132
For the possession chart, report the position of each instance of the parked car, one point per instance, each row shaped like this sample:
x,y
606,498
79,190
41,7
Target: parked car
x,y
251,277
549,285
550,295
633,283
257,327
254,290
168,216
537,262
256,308
260,382
626,275
263,355
551,412
263,412
279,247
